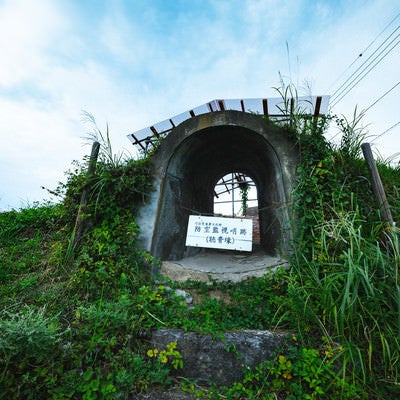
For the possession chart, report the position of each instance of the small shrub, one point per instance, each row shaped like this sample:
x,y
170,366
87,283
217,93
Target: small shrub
x,y
29,343
28,335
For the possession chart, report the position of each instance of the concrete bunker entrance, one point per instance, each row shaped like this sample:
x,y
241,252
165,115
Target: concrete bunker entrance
x,y
197,162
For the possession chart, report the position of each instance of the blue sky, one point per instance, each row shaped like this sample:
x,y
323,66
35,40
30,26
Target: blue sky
x,y
134,63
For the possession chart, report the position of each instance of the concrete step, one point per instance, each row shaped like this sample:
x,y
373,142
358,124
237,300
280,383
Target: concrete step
x,y
217,360
221,265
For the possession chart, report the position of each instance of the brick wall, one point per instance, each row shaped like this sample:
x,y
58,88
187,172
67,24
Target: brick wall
x,y
252,212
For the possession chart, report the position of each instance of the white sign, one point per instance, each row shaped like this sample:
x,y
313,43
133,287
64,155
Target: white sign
x,y
220,233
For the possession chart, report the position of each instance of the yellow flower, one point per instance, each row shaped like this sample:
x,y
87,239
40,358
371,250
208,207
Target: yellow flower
x,y
152,353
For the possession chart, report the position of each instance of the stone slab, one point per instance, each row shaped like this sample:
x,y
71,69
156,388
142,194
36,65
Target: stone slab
x,y
208,359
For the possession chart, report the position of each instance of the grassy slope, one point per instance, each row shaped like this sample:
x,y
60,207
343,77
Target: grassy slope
x,y
73,323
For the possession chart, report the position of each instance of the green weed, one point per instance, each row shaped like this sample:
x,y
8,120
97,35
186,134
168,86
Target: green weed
x,y
341,298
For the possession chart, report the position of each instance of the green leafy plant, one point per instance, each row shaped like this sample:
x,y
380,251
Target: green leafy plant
x,y
244,191
29,343
169,355
28,334
296,372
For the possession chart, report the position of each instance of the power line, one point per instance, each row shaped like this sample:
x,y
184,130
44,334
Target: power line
x,y
380,98
383,30
364,51
385,132
352,84
345,84
375,102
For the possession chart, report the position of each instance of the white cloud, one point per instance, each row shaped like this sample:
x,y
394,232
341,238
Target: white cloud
x,y
135,65
29,28
36,147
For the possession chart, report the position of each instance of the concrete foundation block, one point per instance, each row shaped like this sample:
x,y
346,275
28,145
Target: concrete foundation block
x,y
221,360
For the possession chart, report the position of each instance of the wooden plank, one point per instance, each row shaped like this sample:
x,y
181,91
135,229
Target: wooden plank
x,y
80,219
376,184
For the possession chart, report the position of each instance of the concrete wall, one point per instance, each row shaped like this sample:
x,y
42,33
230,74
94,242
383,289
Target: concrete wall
x,y
195,155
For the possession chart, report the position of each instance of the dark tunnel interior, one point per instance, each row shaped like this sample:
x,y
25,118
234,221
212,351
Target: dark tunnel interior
x,y
194,169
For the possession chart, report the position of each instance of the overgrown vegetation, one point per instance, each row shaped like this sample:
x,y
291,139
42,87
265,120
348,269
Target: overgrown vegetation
x,y
75,319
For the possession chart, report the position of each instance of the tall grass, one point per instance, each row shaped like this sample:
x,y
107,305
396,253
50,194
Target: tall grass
x,y
350,290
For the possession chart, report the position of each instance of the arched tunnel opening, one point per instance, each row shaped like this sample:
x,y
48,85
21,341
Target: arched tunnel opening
x,y
193,170
235,195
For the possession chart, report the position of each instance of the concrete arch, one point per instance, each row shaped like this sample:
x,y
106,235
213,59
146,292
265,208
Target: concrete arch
x,y
196,154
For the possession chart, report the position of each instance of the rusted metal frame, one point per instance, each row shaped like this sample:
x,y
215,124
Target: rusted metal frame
x,y
235,186
226,185
137,141
230,201
221,105
210,106
154,130
229,181
317,108
265,106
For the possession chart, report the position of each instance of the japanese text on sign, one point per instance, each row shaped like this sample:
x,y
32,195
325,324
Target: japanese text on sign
x,y
220,233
